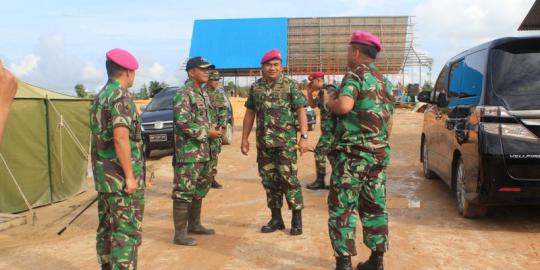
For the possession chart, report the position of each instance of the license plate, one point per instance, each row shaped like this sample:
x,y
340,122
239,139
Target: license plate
x,y
158,138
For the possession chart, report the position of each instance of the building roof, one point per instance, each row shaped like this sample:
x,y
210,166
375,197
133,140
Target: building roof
x,y
532,20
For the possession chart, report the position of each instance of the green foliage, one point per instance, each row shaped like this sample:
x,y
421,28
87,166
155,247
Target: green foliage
x,y
80,90
143,92
427,87
243,91
154,87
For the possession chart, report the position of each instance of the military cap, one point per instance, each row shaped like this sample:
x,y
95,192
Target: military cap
x,y
271,55
366,38
123,58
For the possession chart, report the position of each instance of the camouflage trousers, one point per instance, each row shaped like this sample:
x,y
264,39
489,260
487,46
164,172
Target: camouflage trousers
x,y
357,187
321,151
119,232
191,181
278,170
215,149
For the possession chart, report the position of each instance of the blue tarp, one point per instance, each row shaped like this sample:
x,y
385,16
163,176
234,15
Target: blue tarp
x,y
238,43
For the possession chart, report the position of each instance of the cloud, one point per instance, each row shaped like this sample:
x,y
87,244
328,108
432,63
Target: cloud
x,y
51,67
447,27
25,65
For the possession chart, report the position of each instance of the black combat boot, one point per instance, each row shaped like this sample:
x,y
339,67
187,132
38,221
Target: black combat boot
x,y
276,223
343,263
296,222
180,217
318,183
106,266
194,224
375,262
215,184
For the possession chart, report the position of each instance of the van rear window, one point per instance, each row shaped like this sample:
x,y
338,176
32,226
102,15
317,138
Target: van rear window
x,y
516,68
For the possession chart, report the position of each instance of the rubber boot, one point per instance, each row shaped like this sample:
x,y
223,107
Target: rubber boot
x,y
318,183
180,217
276,223
194,224
343,263
375,262
296,222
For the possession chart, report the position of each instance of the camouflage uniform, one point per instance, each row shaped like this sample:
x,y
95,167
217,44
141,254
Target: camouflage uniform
x,y
327,131
120,215
192,147
218,114
361,155
274,106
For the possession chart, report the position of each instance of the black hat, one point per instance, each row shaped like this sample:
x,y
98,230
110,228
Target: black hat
x,y
198,62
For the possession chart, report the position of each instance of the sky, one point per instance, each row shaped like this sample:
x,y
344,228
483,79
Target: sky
x,y
57,44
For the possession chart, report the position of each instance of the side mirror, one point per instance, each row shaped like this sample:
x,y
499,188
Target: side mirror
x,y
143,107
424,97
442,100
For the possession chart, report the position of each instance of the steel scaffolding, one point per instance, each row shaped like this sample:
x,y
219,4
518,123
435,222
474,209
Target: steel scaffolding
x,y
321,44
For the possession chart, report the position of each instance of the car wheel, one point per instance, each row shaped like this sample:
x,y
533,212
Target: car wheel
x,y
228,135
428,173
147,152
466,209
311,127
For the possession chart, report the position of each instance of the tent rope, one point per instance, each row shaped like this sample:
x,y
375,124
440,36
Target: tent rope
x,y
70,131
34,217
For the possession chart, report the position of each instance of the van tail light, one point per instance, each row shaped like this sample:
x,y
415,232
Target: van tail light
x,y
498,124
510,189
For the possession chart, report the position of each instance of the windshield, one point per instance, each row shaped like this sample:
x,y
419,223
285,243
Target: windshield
x,y
516,68
162,101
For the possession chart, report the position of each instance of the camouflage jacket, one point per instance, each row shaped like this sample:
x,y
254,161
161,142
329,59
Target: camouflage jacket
x,y
327,119
114,107
218,110
191,125
274,106
218,114
363,132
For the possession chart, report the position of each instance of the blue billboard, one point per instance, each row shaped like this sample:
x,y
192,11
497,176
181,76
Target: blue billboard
x,y
238,43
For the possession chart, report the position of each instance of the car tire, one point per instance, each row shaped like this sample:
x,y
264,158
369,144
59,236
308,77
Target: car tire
x,y
228,134
428,173
465,208
311,127
147,152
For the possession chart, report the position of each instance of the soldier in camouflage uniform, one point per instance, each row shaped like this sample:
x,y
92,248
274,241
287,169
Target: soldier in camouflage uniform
x,y
273,100
118,165
327,126
219,116
362,153
191,162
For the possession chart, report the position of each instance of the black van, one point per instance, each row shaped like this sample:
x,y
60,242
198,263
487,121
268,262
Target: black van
x,y
158,121
482,125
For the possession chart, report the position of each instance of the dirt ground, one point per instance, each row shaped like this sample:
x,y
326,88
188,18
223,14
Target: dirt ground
x,y
432,236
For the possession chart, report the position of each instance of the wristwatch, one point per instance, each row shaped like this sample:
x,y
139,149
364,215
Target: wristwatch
x,y
304,136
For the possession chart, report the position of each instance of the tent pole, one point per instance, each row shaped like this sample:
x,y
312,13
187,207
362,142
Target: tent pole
x,y
47,123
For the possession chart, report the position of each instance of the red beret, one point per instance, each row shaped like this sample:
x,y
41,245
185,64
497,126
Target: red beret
x,y
366,38
315,75
123,58
271,55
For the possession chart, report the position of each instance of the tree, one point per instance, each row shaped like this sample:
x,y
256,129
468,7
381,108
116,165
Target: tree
x,y
80,90
143,93
154,87
427,87
230,88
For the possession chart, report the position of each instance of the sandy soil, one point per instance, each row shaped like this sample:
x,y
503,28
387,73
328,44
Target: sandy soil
x,y
432,236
